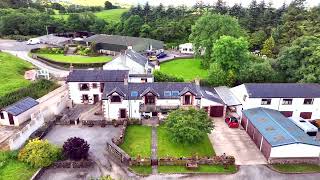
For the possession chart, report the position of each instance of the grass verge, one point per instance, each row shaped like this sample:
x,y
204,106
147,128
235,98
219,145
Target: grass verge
x,y
217,169
143,170
296,168
137,141
76,59
168,148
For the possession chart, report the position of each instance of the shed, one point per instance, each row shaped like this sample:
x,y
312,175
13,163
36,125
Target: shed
x,y
278,138
19,112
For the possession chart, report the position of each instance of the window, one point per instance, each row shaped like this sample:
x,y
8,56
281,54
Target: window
x,y
306,115
134,93
185,49
286,101
1,115
308,101
144,80
190,50
175,93
84,87
164,113
115,99
94,85
265,101
244,97
167,93
149,71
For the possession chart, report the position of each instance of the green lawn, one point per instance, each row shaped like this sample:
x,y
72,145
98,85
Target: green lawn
x,y
76,59
12,71
293,168
112,15
137,141
144,170
188,69
168,148
218,169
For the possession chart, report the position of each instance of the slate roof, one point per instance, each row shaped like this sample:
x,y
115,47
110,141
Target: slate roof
x,y
138,44
283,90
227,96
21,106
97,76
157,87
137,57
211,94
141,75
277,129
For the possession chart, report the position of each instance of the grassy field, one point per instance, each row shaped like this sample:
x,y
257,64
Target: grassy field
x,y
12,71
293,168
12,169
137,141
144,170
217,169
76,59
112,15
168,148
188,69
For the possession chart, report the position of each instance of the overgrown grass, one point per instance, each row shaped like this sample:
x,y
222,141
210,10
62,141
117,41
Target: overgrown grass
x,y
293,168
12,169
188,69
168,148
137,141
112,15
76,59
11,72
143,170
217,169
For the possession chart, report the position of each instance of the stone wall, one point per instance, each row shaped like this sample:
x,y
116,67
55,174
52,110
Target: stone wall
x,y
72,164
294,161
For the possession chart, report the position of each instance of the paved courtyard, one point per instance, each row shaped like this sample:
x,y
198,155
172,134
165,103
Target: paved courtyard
x,y
235,142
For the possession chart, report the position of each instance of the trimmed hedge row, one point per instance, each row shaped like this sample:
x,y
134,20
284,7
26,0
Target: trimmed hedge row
x,y
162,77
34,90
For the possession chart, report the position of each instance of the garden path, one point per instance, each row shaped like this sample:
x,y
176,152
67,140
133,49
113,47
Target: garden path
x,y
154,148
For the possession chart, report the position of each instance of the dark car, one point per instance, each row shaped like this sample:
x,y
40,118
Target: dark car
x,y
161,55
232,122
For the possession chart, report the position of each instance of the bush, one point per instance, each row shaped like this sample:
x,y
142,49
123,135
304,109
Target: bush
x,y
50,51
188,126
39,153
34,90
161,77
76,149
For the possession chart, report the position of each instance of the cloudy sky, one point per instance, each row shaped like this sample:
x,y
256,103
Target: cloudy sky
x,y
276,3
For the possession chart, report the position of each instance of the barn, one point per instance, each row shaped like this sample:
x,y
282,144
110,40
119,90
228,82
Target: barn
x,y
278,138
19,112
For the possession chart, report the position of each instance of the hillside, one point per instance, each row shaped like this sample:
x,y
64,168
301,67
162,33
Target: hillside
x,y
122,3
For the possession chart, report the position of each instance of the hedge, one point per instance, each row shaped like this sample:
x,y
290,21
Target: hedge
x,y
162,77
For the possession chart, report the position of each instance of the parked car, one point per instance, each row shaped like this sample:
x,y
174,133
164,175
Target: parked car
x,y
161,55
232,122
33,41
153,58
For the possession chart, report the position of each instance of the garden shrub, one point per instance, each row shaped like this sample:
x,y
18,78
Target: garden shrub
x,y
76,148
84,51
34,90
162,77
188,126
50,51
39,153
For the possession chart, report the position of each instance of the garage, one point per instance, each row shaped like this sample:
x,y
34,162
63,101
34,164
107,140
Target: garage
x,y
278,138
216,111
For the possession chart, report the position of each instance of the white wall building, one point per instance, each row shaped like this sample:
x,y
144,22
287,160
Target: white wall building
x,y
132,61
291,99
186,48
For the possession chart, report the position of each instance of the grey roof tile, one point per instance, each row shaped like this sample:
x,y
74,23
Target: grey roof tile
x,y
21,106
97,76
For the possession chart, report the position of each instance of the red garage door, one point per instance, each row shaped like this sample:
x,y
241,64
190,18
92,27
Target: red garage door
x,y
266,149
306,115
287,113
244,122
250,130
257,137
216,111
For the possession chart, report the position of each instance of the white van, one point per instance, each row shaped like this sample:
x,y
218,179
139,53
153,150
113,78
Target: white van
x,y
305,125
33,41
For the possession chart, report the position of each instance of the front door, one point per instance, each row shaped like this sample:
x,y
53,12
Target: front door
x,y
123,113
95,98
11,121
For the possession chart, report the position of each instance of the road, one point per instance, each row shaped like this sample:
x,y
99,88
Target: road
x,y
21,50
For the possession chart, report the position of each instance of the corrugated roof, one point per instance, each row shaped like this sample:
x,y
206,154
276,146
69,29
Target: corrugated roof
x,y
227,96
21,106
97,76
137,57
283,90
276,128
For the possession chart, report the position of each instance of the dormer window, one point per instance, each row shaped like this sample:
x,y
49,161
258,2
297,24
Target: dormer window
x,y
115,99
84,87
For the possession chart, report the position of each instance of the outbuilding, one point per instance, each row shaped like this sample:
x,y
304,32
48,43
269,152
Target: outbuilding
x,y
186,48
19,112
278,138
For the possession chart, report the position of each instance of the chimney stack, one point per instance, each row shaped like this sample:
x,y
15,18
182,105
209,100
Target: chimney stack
x,y
125,81
197,81
71,68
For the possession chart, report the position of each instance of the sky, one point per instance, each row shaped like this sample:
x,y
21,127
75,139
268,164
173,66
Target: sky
x,y
276,3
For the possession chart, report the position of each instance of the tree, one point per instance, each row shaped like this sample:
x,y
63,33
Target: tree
x,y
131,27
221,7
76,148
188,126
39,153
219,77
108,5
256,72
300,62
268,47
230,53
81,21
145,30
208,29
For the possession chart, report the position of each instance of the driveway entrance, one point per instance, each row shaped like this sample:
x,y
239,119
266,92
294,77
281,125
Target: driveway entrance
x,y
235,142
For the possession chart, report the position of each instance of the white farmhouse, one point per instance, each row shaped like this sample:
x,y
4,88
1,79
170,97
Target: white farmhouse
x,y
19,112
291,99
132,61
186,48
